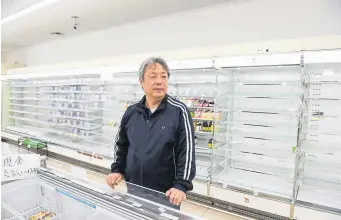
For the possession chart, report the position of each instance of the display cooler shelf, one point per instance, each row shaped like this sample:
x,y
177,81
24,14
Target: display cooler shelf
x,y
55,116
229,106
55,108
320,167
56,85
327,198
264,123
92,143
245,180
88,127
53,195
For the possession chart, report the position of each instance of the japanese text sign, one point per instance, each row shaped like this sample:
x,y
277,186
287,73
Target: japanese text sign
x,y
19,166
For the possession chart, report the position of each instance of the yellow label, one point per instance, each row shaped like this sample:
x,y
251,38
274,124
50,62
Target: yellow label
x,y
111,123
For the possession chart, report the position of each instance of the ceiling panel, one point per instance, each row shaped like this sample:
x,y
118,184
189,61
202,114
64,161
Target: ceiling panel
x,y
9,7
36,26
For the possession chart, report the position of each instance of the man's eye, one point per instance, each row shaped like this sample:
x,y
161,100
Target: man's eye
x,y
164,77
152,76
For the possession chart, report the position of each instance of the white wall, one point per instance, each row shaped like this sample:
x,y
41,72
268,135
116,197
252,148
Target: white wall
x,y
231,23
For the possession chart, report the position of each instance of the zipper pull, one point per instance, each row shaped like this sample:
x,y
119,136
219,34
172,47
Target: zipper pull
x,y
147,121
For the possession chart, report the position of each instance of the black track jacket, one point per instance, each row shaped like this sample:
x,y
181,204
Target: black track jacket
x,y
156,150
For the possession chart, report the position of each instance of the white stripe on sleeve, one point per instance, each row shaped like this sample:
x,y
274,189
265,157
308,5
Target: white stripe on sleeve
x,y
189,139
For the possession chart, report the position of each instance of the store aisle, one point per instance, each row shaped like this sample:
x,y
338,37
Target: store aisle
x,y
187,206
207,212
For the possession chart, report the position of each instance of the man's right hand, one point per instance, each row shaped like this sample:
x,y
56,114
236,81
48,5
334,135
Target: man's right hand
x,y
113,179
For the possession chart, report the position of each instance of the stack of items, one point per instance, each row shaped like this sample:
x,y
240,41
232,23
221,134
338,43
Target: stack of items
x,y
43,215
204,108
197,102
206,126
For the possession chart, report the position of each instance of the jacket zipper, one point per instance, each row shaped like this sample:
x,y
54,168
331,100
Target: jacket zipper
x,y
141,170
174,162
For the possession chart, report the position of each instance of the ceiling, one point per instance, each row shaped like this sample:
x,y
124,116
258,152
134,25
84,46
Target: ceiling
x,y
28,22
9,7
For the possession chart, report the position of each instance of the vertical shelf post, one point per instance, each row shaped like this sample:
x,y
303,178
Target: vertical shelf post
x,y
300,135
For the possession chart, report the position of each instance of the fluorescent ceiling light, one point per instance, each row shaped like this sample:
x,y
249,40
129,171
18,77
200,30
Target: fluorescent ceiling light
x,y
28,10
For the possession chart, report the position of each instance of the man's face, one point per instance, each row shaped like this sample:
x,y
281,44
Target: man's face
x,y
155,81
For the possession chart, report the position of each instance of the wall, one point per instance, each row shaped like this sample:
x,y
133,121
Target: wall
x,y
236,22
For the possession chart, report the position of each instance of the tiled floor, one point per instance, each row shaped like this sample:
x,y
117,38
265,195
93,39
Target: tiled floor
x,y
187,206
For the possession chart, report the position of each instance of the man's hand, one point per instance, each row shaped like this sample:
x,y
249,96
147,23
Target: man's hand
x,y
175,196
113,179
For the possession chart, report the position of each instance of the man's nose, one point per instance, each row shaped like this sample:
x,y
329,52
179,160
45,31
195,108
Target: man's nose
x,y
159,80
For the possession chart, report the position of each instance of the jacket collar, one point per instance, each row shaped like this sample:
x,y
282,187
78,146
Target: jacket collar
x,y
163,104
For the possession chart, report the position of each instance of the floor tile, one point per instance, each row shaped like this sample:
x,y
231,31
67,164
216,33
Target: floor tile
x,y
212,214
58,165
192,208
96,177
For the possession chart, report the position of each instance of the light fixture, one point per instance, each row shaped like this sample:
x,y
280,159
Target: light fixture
x,y
28,10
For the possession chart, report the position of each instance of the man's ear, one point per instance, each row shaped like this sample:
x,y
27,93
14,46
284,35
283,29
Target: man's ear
x,y
141,82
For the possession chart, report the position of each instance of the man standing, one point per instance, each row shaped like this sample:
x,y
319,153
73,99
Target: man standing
x,y
155,142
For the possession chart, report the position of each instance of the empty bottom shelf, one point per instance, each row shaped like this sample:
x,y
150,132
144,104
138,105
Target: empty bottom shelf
x,y
320,195
257,182
41,133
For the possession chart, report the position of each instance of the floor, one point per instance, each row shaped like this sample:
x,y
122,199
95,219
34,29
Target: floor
x,y
187,206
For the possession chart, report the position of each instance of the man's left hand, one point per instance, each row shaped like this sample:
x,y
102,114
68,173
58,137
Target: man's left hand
x,y
176,196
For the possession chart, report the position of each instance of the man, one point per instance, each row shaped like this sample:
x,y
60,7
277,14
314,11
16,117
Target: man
x,y
155,142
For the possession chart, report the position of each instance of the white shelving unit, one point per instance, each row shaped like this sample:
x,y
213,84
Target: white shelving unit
x,y
66,109
260,141
320,173
266,125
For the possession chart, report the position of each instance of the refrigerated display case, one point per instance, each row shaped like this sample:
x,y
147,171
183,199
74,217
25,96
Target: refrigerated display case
x,y
84,111
60,110
320,173
260,141
266,126
53,195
